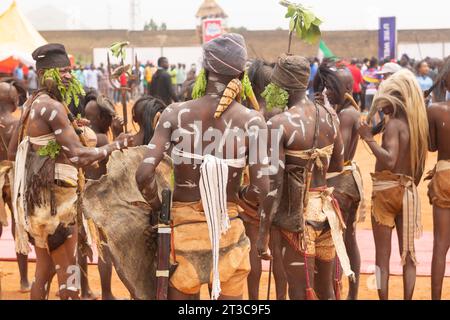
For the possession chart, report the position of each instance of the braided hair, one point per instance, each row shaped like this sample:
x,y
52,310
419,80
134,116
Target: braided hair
x,y
146,109
439,83
327,77
259,75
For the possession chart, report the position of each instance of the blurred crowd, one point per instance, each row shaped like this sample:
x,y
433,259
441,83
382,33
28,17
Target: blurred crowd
x,y
369,73
173,82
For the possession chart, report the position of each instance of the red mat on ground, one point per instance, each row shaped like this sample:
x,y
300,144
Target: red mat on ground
x,y
424,251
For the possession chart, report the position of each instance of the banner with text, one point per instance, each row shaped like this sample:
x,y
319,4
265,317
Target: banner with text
x,y
387,35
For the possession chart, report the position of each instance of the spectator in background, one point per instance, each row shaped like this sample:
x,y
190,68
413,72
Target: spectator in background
x,y
365,65
79,75
422,73
357,80
148,74
103,80
181,77
372,80
161,86
192,73
18,72
32,81
173,76
389,69
405,62
92,76
314,67
425,81
85,76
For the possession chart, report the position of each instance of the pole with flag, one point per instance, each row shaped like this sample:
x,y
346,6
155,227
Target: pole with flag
x,y
324,52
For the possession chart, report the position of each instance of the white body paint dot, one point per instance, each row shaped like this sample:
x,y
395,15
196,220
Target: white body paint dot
x,y
53,115
167,125
58,132
43,110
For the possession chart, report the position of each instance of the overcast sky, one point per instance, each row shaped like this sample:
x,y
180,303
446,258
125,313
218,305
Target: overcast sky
x,y
252,14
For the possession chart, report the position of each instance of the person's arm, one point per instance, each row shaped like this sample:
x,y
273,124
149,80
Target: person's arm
x,y
67,138
169,85
337,159
388,155
145,175
13,144
432,124
276,175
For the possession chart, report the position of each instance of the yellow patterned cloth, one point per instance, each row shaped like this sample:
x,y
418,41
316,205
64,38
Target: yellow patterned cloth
x,y
192,251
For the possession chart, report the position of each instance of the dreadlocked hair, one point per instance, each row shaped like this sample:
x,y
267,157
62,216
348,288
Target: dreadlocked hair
x,y
259,75
148,107
439,83
403,93
327,77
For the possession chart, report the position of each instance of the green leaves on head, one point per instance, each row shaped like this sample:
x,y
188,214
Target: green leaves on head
x,y
68,93
275,97
303,22
199,89
247,90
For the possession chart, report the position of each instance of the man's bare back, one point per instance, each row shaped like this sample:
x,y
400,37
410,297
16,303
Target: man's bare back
x,y
298,134
349,119
193,127
439,120
394,153
8,122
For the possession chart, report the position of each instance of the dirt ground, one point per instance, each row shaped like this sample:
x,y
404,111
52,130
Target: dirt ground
x,y
366,162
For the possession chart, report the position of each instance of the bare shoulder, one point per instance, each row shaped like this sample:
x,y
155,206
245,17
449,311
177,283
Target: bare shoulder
x,y
439,107
44,105
278,120
395,125
171,111
251,116
349,114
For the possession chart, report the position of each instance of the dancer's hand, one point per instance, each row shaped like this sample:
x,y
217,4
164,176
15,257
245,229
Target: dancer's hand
x,y
262,245
124,140
365,131
82,122
117,126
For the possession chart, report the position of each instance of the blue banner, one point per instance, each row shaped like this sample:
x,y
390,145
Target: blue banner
x,y
387,38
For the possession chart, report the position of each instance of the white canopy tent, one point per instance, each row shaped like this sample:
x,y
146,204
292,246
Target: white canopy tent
x,y
18,37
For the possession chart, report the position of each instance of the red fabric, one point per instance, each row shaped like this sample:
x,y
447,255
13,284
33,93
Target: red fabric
x,y
8,66
123,80
357,78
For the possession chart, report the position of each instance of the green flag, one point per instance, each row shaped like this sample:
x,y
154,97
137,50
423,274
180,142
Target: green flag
x,y
324,51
